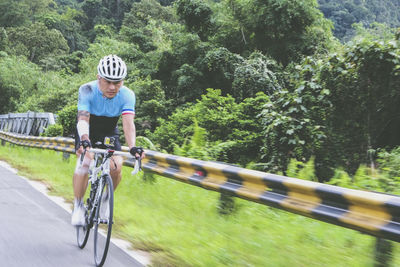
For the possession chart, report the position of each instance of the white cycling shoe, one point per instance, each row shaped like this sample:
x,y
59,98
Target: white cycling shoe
x,y
78,215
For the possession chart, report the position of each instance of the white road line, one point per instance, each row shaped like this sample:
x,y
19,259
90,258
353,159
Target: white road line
x,y
142,257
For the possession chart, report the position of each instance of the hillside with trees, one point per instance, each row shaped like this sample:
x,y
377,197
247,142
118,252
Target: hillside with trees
x,y
344,13
266,80
272,85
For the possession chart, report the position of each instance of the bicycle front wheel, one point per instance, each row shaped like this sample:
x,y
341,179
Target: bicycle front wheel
x,y
103,221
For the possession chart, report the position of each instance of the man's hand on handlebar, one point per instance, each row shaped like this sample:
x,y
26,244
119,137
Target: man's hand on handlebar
x,y
137,152
83,145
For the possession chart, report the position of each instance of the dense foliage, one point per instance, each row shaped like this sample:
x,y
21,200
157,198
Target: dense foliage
x,y
346,12
255,83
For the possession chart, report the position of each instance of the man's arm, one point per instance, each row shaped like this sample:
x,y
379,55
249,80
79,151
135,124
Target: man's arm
x,y
129,129
83,115
83,127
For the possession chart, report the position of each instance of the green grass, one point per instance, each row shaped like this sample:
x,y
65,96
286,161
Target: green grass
x,y
179,225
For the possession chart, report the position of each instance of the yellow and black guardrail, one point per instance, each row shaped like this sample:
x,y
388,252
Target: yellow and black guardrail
x,y
372,213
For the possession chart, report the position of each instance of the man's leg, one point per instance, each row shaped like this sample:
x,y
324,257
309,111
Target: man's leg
x,y
80,181
115,170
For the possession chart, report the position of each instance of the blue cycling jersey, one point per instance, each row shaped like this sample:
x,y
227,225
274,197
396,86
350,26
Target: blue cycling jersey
x,y
91,99
104,112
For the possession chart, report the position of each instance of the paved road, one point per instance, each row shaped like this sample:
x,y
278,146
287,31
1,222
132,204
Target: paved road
x,y
36,232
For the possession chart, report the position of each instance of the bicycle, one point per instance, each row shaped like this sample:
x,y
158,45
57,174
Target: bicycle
x,y
99,205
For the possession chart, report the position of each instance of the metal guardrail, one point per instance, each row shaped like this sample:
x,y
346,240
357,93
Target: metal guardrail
x,y
372,213
30,123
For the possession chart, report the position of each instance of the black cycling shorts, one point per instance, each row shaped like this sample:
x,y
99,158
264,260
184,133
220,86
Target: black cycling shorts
x,y
100,138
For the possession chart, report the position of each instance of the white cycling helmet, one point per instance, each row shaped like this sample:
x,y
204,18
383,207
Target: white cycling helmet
x,y
112,68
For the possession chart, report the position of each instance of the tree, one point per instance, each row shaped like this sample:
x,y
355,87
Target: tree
x,y
106,12
295,118
23,12
50,92
145,17
39,7
37,41
344,13
166,2
364,85
229,31
69,24
3,39
284,29
67,118
179,70
350,98
280,28
197,16
13,13
116,9
256,74
141,13
218,67
151,104
17,76
94,11
233,132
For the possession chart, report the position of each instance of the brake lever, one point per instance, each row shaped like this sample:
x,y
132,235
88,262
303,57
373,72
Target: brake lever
x,y
138,166
83,155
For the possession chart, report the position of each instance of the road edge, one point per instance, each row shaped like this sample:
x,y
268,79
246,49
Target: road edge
x,y
142,257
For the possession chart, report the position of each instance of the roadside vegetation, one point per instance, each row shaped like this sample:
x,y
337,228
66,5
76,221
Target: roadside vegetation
x,y
264,91
180,226
304,88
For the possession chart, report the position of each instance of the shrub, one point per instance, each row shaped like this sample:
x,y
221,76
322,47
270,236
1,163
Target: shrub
x,y
67,118
53,130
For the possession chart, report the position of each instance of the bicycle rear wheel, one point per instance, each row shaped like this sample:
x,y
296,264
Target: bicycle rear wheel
x,y
103,221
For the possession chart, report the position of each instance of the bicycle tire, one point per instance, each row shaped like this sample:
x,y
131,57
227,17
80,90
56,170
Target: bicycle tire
x,y
82,235
101,244
82,232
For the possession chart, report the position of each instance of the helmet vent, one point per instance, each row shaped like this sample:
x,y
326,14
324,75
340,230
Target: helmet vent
x,y
112,68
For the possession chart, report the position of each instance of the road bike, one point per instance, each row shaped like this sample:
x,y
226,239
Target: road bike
x,y
99,205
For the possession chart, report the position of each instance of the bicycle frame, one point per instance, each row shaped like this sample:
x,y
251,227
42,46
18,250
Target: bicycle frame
x,y
100,166
99,181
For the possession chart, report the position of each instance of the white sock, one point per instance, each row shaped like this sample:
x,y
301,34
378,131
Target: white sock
x,y
78,202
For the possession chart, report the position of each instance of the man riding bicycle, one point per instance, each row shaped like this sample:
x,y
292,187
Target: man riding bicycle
x,y
100,104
